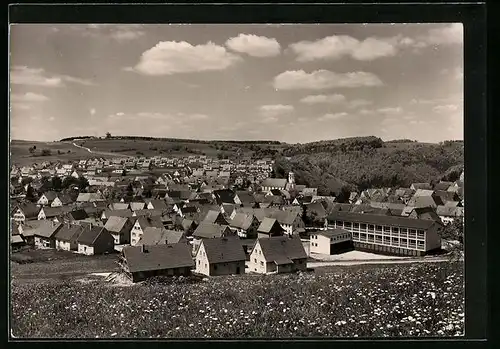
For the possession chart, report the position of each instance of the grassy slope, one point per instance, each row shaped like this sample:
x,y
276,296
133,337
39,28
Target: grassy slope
x,y
424,299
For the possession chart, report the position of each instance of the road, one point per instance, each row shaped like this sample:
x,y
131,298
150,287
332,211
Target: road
x,y
319,264
101,152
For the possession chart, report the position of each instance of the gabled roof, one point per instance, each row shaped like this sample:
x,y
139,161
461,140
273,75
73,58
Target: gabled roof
x,y
245,197
159,204
86,197
426,213
224,196
242,221
422,201
317,208
55,211
209,230
151,213
159,236
135,206
50,195
267,224
274,182
423,192
77,215
153,221
443,185
158,257
118,213
69,232
29,209
212,216
47,229
279,248
118,206
90,234
448,211
285,217
224,250
363,208
187,224
115,224
422,186
65,199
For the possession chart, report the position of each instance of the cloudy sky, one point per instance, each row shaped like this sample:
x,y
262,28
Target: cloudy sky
x,y
292,83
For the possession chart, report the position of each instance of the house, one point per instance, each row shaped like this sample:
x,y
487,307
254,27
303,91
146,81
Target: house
x,y
424,201
187,211
424,213
442,186
142,223
291,221
416,186
224,196
331,241
423,192
24,212
52,212
47,198
215,217
44,235
149,213
61,200
448,214
222,256
161,236
95,240
89,197
269,227
244,198
389,234
441,196
245,225
273,183
16,241
279,254
66,237
135,206
118,206
118,213
188,226
315,212
211,231
119,228
157,205
228,209
142,262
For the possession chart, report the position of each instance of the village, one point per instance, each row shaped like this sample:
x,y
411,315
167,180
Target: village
x,y
197,215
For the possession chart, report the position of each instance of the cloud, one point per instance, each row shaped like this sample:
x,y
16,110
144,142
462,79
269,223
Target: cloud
x,y
253,45
52,118
274,110
171,57
92,111
120,114
314,99
198,116
447,108
367,112
127,32
331,116
120,33
28,97
324,79
355,103
20,106
338,46
390,110
447,34
22,75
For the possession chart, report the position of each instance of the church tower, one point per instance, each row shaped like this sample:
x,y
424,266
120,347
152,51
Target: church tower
x,y
291,178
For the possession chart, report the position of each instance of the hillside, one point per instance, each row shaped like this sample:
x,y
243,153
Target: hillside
x,y
364,162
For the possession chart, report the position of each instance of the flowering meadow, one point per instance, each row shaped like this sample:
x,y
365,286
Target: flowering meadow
x,y
421,299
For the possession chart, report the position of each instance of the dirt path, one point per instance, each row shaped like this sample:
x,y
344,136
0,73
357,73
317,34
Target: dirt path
x,y
100,152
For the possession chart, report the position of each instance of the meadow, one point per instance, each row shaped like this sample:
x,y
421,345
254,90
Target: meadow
x,y
412,300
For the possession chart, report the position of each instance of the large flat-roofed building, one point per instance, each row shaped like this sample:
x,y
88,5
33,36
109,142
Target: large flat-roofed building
x,y
389,234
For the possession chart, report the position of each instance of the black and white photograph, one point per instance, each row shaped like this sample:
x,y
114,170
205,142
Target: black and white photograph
x,y
247,181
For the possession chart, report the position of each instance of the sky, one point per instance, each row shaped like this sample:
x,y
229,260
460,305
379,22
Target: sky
x,y
291,83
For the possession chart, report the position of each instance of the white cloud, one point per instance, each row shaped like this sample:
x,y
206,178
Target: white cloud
x,y
274,110
52,118
198,116
440,109
22,75
28,97
367,112
171,57
120,114
20,106
127,33
92,111
390,110
253,45
447,34
314,99
355,103
338,46
324,79
269,120
331,116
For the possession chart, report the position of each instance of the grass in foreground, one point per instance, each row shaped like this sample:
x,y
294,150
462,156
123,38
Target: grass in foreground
x,y
396,300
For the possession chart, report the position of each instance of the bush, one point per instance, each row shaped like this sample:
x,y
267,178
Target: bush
x,y
46,152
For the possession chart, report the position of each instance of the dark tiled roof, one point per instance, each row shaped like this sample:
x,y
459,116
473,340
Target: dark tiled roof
x,y
152,213
153,221
159,204
209,230
115,224
55,211
274,182
281,247
158,236
29,209
381,219
224,250
267,224
69,232
242,221
285,217
118,213
47,229
77,215
212,216
158,257
245,197
90,234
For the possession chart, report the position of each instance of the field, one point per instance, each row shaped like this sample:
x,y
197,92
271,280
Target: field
x,y
422,300
21,155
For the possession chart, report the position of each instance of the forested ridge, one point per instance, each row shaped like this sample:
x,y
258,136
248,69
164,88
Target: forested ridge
x,y
368,162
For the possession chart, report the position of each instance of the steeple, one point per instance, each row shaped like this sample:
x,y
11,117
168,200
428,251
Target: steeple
x,y
291,178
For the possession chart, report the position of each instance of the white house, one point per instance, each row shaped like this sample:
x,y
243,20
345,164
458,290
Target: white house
x,y
331,241
220,256
279,254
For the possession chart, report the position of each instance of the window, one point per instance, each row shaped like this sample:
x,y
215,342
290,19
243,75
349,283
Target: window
x,y
404,230
420,234
371,227
387,240
404,242
395,230
261,263
378,228
215,266
347,224
199,262
356,225
370,238
387,229
363,236
339,223
363,226
255,260
205,265
378,239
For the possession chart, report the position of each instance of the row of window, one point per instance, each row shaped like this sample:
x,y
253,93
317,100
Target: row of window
x,y
411,243
380,228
